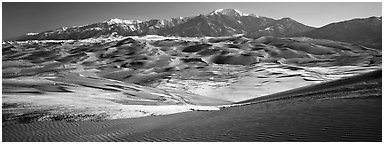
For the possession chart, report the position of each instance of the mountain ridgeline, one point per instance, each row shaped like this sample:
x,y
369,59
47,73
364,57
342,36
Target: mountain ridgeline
x,y
363,31
222,22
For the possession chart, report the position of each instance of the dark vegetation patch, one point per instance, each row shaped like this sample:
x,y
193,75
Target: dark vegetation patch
x,y
24,118
45,115
75,117
10,105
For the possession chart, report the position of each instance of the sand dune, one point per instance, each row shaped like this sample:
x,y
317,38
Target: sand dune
x,y
345,85
53,85
155,70
348,115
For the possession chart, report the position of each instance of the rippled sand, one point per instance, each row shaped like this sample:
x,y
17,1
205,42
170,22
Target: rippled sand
x,y
344,110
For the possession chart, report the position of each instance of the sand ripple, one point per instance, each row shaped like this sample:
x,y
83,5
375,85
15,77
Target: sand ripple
x,y
319,120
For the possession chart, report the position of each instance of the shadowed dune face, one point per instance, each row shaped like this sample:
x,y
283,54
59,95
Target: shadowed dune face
x,y
196,48
129,76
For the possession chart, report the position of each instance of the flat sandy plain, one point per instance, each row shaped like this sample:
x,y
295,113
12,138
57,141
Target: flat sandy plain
x,y
190,89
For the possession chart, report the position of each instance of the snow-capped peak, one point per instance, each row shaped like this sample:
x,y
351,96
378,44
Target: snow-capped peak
x,y
229,12
120,21
216,11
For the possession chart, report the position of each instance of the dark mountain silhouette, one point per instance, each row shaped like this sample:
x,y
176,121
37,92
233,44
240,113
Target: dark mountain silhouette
x,y
362,31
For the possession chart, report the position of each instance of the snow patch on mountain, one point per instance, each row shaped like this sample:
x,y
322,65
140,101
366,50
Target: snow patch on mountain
x,y
229,12
132,28
240,13
31,33
96,28
216,11
120,21
219,26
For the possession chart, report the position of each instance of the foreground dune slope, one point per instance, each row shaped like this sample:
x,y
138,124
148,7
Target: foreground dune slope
x,y
344,110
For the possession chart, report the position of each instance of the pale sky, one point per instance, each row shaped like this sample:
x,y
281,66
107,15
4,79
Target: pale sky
x,y
20,18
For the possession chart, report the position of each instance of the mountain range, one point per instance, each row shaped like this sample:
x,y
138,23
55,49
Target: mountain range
x,y
222,76
363,31
222,22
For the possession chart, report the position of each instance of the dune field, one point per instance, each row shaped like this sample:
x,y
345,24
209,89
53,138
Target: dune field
x,y
343,110
148,88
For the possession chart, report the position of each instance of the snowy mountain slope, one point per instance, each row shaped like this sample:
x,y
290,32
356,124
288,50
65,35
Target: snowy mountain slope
x,y
221,22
